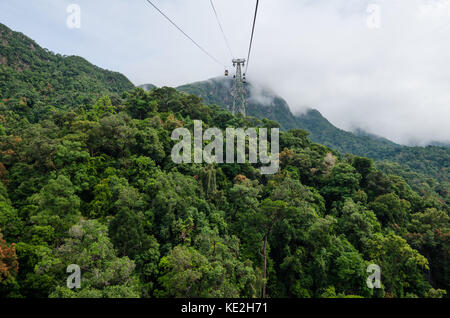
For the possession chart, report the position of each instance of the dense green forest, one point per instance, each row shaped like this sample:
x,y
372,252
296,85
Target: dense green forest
x,y
90,181
34,82
426,169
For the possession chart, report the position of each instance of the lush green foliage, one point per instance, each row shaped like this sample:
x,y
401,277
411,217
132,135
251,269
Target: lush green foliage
x,y
99,189
35,82
95,186
425,169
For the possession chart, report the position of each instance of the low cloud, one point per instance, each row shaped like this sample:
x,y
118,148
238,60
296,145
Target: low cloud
x,y
260,94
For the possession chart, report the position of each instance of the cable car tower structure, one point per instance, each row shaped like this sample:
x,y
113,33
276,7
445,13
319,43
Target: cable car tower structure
x,y
239,79
238,91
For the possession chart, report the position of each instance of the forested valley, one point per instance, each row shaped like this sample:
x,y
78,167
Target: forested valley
x,y
87,178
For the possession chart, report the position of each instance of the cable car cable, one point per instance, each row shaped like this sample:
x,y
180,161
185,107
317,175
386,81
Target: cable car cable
x,y
253,32
221,28
185,34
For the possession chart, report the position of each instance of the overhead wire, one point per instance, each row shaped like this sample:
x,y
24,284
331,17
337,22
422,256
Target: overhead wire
x,y
185,34
221,29
251,38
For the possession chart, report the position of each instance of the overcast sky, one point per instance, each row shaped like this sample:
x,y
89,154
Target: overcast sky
x,y
379,65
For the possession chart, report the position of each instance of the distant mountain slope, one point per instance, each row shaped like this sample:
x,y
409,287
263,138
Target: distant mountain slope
x,y
440,144
322,131
262,103
431,161
35,83
33,78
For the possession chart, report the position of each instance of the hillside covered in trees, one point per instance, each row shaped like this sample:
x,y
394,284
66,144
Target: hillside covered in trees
x,y
92,183
34,81
426,169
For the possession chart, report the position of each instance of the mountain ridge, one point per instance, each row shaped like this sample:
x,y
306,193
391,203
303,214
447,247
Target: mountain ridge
x,y
217,91
37,81
94,183
422,162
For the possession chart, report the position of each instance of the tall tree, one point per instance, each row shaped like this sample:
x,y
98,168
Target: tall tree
x,y
9,266
57,206
103,274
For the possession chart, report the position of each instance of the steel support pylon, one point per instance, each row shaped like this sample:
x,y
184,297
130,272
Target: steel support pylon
x,y
238,90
